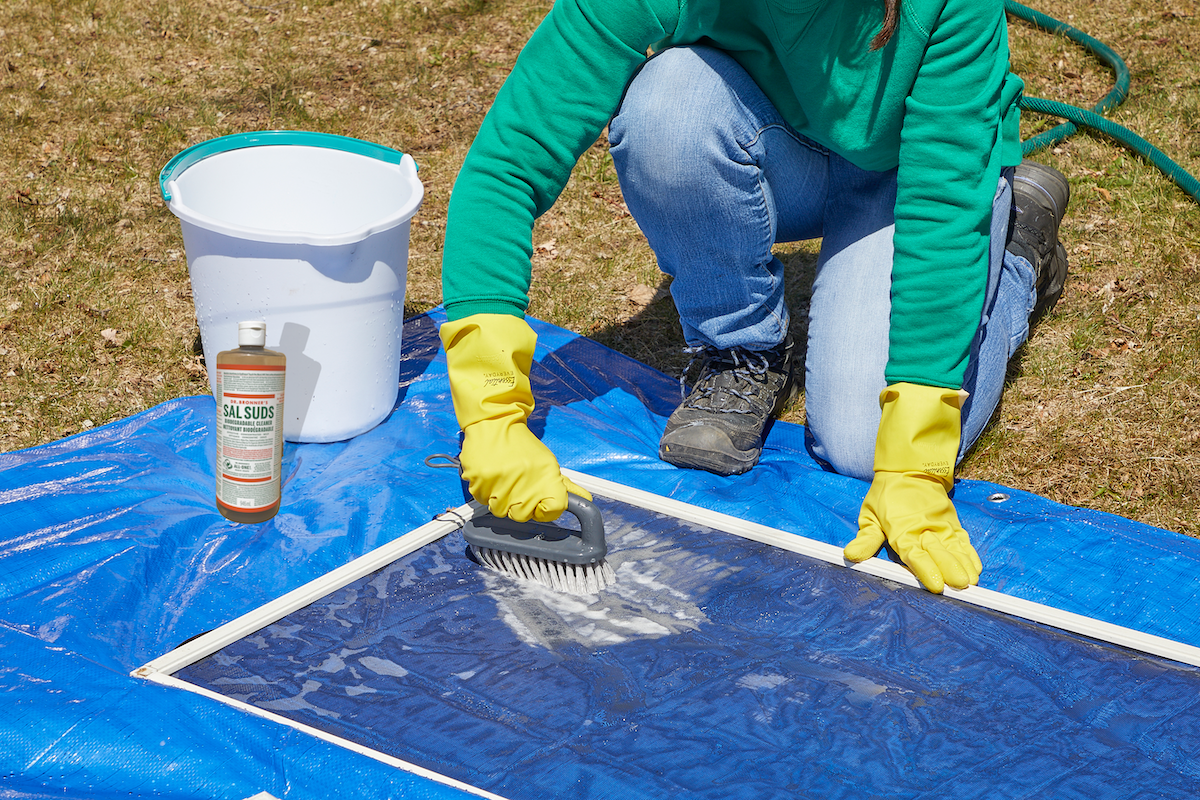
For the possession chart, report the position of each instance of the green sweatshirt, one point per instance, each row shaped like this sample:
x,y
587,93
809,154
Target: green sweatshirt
x,y
938,102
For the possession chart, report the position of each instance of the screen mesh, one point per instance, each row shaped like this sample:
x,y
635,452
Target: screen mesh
x,y
716,667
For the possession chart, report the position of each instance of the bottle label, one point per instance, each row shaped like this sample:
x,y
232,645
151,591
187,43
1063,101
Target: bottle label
x,y
249,435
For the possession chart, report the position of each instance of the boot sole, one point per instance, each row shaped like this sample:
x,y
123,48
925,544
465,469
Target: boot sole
x,y
718,462
1057,283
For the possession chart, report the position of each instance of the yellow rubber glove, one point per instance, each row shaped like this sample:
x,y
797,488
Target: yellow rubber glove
x,y
907,504
507,468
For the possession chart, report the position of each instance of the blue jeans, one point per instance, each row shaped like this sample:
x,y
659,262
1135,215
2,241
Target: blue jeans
x,y
715,178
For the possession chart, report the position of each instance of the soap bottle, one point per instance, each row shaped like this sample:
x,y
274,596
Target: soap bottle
x,y
249,395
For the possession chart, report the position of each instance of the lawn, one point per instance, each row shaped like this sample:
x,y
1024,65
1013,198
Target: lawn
x,y
96,317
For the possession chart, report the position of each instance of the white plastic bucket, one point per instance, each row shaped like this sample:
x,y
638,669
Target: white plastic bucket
x,y
309,232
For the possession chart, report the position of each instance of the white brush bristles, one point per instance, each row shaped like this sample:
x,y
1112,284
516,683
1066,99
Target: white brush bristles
x,y
576,579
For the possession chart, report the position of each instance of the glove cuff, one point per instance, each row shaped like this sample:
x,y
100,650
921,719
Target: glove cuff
x,y
488,358
920,430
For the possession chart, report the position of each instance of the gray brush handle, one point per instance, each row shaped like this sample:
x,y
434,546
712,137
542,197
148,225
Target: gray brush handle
x,y
543,539
591,523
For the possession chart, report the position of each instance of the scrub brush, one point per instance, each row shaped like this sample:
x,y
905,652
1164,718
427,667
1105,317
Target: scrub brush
x,y
561,559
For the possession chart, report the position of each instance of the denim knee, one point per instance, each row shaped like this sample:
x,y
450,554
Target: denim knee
x,y
666,125
845,440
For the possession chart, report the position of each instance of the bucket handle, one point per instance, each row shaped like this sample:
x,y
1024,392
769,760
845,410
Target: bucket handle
x,y
237,141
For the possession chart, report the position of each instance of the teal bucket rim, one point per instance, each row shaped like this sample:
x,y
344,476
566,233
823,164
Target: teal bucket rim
x,y
238,141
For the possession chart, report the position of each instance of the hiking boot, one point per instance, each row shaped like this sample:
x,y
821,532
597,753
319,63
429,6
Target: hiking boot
x,y
719,427
1040,197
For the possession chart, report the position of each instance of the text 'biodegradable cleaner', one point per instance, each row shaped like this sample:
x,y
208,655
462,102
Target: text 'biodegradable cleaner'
x,y
249,394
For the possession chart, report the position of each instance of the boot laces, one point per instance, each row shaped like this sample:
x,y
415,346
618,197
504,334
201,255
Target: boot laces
x,y
742,370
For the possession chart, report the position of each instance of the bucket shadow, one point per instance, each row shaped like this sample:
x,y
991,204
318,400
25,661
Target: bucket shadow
x,y
302,374
419,347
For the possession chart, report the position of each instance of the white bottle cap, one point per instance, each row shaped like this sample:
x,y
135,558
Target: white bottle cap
x,y
252,333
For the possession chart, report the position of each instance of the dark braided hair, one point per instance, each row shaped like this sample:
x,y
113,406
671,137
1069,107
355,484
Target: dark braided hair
x,y
891,18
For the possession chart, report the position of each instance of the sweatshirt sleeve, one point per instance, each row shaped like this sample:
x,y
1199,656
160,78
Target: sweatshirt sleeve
x,y
565,87
949,164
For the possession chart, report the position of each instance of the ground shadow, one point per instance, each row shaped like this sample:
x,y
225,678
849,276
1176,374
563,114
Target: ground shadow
x,y
652,335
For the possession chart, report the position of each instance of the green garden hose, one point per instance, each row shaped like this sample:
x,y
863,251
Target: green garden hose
x,y
1093,119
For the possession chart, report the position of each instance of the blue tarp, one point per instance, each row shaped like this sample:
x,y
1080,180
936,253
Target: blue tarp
x,y
112,553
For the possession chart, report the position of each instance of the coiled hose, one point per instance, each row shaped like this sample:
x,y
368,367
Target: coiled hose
x,y
1093,119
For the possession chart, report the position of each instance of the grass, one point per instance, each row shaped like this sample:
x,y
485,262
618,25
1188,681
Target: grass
x,y
96,322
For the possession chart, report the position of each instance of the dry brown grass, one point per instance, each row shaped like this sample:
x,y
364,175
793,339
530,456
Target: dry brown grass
x,y
95,310
1102,408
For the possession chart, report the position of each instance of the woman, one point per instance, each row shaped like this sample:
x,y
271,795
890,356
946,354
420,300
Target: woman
x,y
887,127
